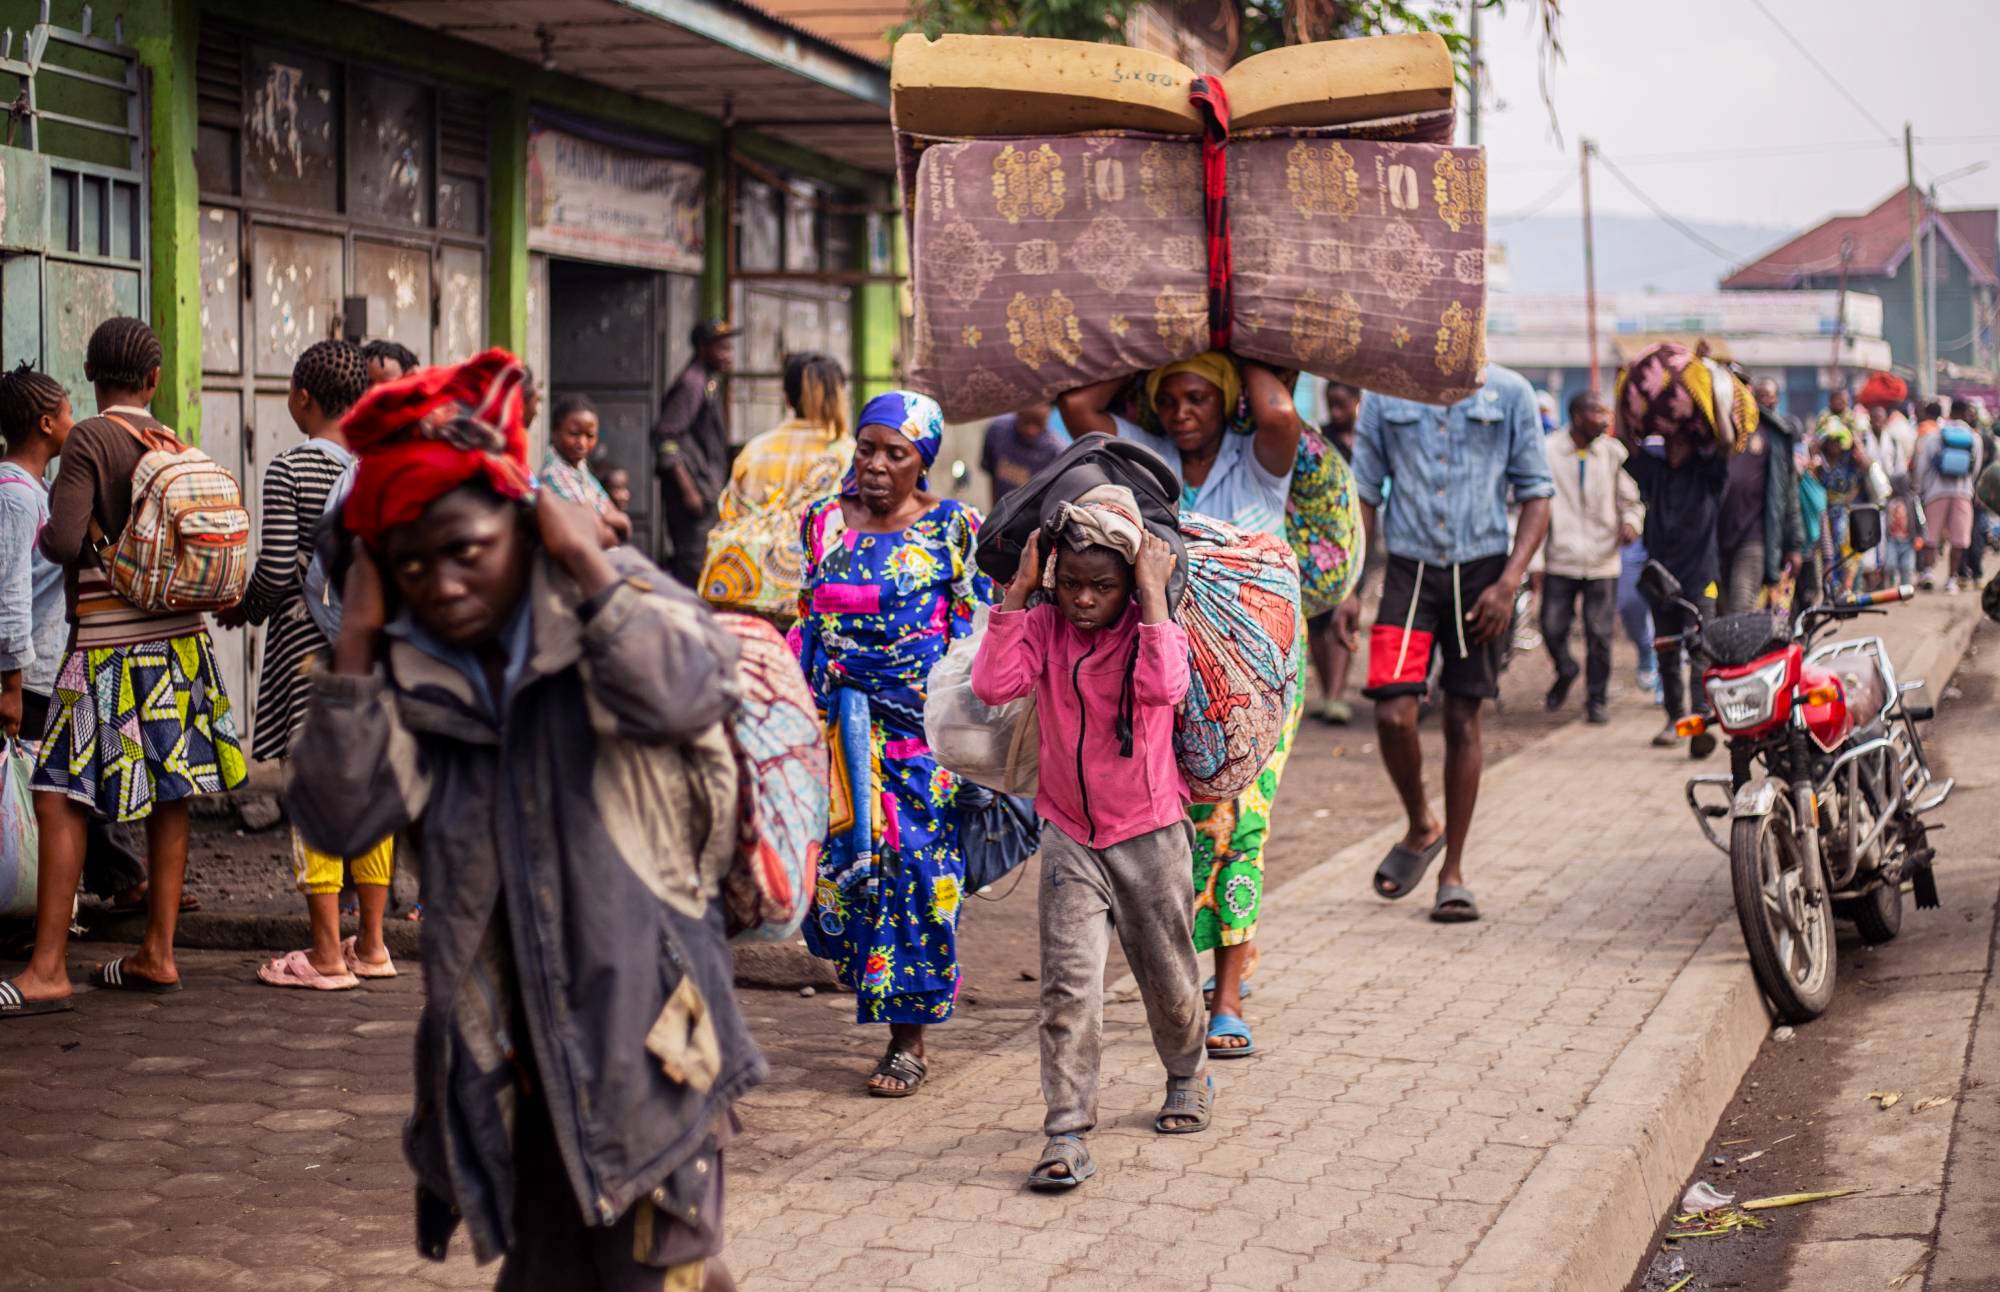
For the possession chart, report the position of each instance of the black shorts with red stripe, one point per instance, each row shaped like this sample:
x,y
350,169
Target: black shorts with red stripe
x,y
1423,609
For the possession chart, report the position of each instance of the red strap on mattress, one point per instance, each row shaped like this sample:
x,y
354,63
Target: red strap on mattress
x,y
1212,101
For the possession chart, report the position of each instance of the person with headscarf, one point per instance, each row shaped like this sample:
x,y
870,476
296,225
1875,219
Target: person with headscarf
x,y
1235,464
754,562
542,720
889,583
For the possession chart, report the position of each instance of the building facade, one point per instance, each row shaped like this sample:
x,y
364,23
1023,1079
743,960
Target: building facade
x,y
580,182
1958,252
1806,341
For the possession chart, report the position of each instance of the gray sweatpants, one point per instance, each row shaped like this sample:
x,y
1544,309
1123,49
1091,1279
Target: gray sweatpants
x,y
1144,887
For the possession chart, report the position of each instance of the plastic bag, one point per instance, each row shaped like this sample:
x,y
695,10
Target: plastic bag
x,y
998,748
20,839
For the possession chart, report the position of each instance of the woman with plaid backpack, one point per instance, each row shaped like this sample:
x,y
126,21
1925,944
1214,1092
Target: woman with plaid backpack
x,y
140,722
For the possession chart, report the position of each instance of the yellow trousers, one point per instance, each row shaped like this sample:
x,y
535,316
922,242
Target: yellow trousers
x,y
319,872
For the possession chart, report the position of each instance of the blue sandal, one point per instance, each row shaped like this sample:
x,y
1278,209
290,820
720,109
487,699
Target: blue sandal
x,y
1231,1026
1068,1152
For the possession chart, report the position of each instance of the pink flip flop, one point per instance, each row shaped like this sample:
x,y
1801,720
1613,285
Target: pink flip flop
x,y
361,968
295,969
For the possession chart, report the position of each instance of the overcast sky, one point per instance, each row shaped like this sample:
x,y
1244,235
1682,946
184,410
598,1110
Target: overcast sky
x,y
1646,77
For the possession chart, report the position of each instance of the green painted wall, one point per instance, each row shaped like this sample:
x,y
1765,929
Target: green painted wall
x,y
507,275
164,35
878,314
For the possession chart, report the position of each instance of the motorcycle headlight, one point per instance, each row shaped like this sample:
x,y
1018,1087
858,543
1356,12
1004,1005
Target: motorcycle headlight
x,y
1747,701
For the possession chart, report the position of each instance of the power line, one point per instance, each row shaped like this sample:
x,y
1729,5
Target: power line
x,y
1832,80
1667,217
1719,154
1535,207
1713,248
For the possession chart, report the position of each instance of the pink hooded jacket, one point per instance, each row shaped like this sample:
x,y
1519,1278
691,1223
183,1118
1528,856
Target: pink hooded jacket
x,y
1089,788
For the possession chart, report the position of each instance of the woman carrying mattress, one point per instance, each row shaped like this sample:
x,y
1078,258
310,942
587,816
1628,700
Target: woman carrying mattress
x,y
1242,480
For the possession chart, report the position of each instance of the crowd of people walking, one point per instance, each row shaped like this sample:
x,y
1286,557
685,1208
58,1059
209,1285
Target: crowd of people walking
x,y
487,680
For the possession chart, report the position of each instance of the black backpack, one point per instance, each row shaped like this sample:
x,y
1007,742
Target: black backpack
x,y
1092,461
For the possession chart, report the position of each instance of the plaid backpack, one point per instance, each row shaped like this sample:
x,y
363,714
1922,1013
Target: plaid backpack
x,y
187,544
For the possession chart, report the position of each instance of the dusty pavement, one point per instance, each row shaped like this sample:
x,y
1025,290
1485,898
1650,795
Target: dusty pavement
x,y
1916,1017
1421,1090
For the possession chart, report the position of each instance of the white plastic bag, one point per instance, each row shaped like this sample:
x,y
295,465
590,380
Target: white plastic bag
x,y
19,837
998,748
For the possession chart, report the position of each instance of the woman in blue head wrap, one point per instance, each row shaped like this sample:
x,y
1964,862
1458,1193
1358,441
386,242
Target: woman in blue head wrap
x,y
889,582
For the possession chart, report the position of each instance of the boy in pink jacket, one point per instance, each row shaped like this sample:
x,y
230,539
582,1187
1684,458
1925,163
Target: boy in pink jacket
x,y
1106,666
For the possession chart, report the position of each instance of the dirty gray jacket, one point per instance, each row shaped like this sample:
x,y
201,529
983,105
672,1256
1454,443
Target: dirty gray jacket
x,y
569,857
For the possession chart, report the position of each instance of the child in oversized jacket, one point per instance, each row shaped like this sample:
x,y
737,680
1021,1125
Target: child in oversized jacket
x,y
1106,666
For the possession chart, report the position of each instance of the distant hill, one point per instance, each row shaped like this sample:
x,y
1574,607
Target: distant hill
x,y
1634,253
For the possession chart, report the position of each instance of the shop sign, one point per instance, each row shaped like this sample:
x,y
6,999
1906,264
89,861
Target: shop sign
x,y
601,202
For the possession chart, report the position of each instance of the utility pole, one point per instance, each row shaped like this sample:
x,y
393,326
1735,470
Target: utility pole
x,y
1589,269
1917,285
1840,318
1472,109
1931,285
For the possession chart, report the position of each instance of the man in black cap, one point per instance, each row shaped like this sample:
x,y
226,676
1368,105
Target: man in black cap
x,y
691,448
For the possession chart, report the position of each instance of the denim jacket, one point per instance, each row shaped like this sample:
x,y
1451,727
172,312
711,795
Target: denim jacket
x,y
1448,472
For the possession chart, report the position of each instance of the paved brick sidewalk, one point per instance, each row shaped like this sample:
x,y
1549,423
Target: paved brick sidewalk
x,y
1412,1076
1409,1079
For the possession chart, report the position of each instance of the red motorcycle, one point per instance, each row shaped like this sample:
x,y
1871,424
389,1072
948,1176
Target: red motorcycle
x,y
1827,785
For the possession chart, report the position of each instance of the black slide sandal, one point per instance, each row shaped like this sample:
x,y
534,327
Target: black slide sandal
x,y
1405,869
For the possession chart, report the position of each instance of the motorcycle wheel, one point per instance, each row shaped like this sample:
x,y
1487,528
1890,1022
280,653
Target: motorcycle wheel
x,y
1878,916
1790,940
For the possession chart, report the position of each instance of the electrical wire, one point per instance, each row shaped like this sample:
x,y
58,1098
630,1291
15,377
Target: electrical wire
x,y
1535,207
1716,154
1715,249
1832,80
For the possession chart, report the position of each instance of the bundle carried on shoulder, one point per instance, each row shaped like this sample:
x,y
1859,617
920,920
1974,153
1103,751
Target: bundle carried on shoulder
x,y
1078,212
1671,390
1241,615
782,787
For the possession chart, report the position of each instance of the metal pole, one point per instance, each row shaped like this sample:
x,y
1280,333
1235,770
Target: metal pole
x,y
1589,270
1931,285
1916,260
1472,109
1840,317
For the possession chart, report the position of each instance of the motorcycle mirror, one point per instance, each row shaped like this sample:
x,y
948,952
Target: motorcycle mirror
x,y
1659,586
1864,527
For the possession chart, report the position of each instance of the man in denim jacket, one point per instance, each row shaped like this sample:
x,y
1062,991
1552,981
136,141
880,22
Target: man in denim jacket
x,y
1435,484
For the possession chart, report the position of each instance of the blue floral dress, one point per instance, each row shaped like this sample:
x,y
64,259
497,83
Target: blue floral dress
x,y
877,612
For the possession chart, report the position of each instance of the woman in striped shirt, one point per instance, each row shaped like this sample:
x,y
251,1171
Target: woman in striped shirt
x,y
326,381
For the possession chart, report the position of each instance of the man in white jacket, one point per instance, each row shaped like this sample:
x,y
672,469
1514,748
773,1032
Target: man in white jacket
x,y
1595,511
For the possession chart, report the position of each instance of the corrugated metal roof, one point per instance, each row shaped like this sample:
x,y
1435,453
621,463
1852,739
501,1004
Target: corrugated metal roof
x,y
859,26
1881,239
708,56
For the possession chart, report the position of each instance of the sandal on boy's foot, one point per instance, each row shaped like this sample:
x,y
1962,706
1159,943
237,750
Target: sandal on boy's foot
x,y
295,969
113,975
1067,1152
1228,1025
902,1066
1454,905
14,1005
1196,1101
363,969
1404,868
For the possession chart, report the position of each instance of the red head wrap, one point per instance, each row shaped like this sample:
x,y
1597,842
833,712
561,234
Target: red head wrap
x,y
1882,388
424,435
